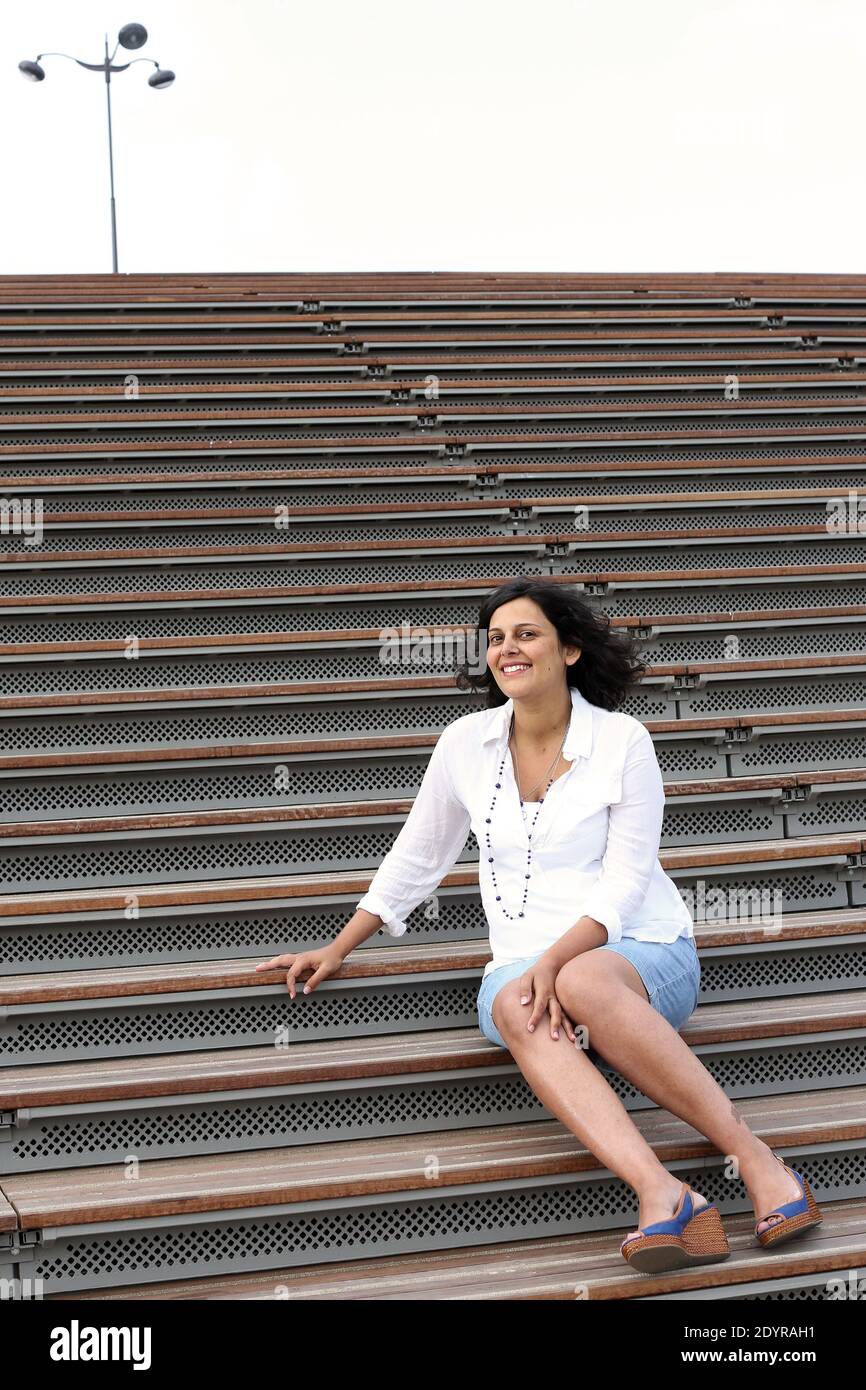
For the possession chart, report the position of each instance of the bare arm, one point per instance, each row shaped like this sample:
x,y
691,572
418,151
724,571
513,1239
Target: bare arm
x,y
356,930
583,936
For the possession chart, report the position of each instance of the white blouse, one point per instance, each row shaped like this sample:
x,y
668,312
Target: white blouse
x,y
594,846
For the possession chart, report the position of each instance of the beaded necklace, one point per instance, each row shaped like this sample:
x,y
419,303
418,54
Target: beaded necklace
x,y
490,857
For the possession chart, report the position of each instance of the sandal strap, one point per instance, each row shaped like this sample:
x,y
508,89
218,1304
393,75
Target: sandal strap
x,y
789,1209
675,1225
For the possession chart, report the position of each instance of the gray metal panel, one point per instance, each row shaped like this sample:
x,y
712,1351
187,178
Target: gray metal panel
x,y
149,1025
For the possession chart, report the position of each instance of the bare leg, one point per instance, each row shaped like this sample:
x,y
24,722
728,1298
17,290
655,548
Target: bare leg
x,y
572,1088
606,992
602,990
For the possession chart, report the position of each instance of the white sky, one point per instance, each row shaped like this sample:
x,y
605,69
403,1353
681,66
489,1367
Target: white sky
x,y
472,135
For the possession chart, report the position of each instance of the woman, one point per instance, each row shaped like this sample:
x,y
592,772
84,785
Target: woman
x,y
565,797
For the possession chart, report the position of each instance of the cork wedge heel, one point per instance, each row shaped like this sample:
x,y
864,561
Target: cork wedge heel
x,y
690,1237
797,1216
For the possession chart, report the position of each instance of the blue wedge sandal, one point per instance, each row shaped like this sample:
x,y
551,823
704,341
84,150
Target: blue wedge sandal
x,y
691,1237
797,1216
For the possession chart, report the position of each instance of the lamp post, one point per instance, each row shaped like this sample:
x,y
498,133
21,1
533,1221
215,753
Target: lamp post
x,y
131,36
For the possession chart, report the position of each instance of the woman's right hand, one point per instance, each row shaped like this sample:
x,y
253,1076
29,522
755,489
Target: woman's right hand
x,y
323,962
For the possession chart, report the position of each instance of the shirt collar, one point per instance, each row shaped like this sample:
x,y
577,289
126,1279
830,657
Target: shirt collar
x,y
578,740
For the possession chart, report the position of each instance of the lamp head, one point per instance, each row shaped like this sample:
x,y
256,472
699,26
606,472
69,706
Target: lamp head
x,y
32,71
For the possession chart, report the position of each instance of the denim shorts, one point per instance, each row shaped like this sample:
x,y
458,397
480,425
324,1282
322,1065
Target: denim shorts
x,y
670,970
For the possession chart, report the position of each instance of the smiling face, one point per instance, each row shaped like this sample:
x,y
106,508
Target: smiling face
x,y
523,651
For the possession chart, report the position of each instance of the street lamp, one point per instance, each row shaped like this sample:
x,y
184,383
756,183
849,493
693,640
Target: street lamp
x,y
130,36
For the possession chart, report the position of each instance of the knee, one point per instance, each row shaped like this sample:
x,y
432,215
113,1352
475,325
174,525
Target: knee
x,y
511,1017
576,984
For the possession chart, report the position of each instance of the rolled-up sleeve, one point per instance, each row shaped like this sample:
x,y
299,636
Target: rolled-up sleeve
x,y
429,841
634,833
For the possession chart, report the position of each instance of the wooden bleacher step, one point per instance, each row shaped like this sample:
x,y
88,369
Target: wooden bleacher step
x,y
582,1267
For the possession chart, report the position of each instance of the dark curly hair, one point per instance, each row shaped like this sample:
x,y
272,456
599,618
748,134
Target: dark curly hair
x,y
608,667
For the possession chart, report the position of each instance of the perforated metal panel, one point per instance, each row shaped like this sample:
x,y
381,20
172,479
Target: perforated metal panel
x,y
158,935
180,856
821,638
249,574
267,717
843,689
475,402
137,727
136,1026
817,749
708,426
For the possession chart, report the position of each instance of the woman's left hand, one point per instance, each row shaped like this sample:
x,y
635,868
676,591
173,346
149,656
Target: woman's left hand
x,y
540,980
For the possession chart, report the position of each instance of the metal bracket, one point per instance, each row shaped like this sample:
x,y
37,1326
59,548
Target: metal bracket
x,y
738,735
792,794
853,867
685,683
